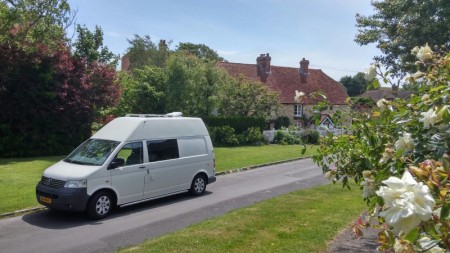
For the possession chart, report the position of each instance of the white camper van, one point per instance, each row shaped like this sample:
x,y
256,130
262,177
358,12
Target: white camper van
x,y
130,160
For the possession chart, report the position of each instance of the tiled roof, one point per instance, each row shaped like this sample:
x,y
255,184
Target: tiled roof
x,y
386,94
285,80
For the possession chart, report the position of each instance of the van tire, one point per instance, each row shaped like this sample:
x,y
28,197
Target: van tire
x,y
100,205
198,185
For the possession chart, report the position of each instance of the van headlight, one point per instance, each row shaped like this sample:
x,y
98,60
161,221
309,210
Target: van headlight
x,y
76,183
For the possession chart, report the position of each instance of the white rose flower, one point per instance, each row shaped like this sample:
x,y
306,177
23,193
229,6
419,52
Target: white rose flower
x,y
405,143
382,104
426,99
418,74
406,202
298,96
424,53
371,72
368,187
429,118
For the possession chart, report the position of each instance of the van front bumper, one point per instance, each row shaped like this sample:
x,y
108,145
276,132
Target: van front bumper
x,y
72,199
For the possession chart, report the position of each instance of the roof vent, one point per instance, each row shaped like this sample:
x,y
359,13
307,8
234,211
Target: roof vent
x,y
170,115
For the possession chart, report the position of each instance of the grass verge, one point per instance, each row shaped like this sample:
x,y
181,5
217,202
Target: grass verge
x,y
19,176
241,157
302,221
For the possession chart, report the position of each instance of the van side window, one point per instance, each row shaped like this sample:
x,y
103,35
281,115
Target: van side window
x,y
132,153
160,150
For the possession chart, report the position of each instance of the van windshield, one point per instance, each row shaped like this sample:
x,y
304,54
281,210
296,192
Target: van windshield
x,y
92,152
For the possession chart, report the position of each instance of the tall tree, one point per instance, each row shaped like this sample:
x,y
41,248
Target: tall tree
x,y
89,46
192,84
202,51
243,97
144,52
144,91
28,22
355,85
398,26
49,100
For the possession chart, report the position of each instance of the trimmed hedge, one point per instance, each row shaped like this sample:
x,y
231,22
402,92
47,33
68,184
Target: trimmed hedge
x,y
240,124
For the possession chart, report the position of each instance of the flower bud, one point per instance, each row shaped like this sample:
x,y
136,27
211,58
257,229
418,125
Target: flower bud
x,y
418,172
366,174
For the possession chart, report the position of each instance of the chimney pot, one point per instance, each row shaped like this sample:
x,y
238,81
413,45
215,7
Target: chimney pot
x,y
263,66
304,69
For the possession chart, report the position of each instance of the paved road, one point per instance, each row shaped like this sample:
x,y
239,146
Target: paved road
x,y
49,231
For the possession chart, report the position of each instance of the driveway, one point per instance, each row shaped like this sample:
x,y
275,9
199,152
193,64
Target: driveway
x,y
49,231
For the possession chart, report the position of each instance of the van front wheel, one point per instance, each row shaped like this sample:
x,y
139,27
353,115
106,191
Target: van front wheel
x,y
198,185
100,205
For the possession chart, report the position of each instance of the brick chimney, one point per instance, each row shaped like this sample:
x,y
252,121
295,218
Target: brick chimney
x,y
162,45
263,66
304,64
125,63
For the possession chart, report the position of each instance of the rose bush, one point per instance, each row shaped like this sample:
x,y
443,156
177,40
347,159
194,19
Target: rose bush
x,y
399,156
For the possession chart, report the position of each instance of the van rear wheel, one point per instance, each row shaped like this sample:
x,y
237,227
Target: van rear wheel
x,y
100,205
198,185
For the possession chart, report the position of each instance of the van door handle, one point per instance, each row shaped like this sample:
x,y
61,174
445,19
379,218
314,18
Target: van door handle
x,y
141,167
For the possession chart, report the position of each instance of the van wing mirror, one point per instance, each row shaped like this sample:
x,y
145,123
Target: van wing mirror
x,y
117,162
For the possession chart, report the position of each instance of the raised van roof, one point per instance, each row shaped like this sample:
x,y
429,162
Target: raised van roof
x,y
139,128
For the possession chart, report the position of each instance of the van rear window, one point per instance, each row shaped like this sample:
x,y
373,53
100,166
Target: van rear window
x,y
160,150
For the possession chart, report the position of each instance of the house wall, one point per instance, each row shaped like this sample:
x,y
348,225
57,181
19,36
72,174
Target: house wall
x,y
308,110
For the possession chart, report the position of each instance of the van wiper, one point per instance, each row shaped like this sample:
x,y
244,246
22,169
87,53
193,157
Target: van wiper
x,y
77,162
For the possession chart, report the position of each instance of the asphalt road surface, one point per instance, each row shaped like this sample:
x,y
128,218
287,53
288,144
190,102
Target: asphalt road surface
x,y
50,231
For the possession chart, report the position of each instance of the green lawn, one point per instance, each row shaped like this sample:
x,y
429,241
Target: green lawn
x,y
302,221
241,157
18,177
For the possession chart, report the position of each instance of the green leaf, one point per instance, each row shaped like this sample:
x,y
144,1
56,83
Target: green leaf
x,y
412,235
303,149
445,210
376,84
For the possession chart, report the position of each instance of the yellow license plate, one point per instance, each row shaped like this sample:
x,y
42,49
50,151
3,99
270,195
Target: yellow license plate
x,y
45,199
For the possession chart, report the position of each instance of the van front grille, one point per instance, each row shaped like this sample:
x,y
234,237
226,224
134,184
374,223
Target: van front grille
x,y
55,183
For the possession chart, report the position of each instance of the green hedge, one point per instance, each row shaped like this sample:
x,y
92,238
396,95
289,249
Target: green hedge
x,y
240,124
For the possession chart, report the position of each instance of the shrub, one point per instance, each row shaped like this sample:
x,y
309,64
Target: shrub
x,y
285,138
399,154
223,136
281,122
239,123
312,137
254,136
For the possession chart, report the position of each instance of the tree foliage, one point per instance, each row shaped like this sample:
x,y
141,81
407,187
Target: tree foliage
x,y
244,97
144,52
355,85
89,46
49,100
144,91
49,97
399,26
202,51
398,153
27,22
192,85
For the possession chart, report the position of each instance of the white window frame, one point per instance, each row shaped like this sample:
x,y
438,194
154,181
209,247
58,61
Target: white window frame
x,y
298,110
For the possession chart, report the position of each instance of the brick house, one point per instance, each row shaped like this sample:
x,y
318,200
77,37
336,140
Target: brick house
x,y
286,80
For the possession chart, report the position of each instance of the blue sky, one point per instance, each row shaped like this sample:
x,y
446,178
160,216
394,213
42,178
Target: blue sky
x,y
321,31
